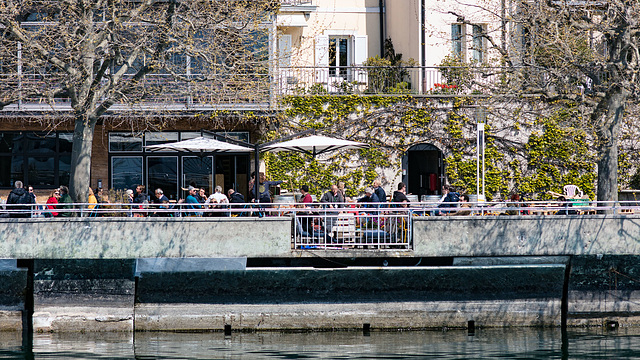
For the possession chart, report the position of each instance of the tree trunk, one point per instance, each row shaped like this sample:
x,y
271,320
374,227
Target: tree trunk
x,y
608,148
81,159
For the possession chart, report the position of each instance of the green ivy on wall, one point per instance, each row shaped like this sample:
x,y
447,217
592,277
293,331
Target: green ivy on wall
x,y
558,155
554,155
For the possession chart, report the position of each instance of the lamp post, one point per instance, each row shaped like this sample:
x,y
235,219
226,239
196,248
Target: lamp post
x,y
480,154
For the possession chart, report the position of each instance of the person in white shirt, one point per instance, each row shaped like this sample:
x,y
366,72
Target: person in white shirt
x,y
217,197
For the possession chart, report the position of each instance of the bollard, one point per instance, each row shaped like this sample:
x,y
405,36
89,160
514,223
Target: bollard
x,y
471,327
366,329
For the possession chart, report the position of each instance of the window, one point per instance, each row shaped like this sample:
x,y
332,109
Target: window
x,y
131,165
125,142
284,50
126,172
38,159
339,54
478,47
158,138
162,172
457,40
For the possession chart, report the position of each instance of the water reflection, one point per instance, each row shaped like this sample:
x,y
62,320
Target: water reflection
x,y
485,344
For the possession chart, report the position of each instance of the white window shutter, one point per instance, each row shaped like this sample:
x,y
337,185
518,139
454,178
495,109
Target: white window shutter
x,y
284,50
360,49
322,50
322,59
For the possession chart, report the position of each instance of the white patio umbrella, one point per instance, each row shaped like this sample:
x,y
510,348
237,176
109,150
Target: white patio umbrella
x,y
199,145
315,145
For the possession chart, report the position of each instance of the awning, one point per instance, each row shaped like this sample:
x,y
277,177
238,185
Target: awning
x,y
199,144
315,145
297,20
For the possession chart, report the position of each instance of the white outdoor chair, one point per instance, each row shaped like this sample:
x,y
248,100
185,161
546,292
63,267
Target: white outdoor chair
x,y
570,191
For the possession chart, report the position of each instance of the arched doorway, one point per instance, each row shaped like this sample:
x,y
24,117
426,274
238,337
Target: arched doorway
x,y
423,170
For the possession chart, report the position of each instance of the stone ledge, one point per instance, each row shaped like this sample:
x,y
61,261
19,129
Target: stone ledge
x,y
400,315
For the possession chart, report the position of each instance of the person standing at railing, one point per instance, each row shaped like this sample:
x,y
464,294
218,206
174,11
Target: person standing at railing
x,y
140,199
92,200
161,202
263,195
33,195
36,211
217,198
201,196
369,200
369,197
449,199
20,196
332,197
305,219
342,190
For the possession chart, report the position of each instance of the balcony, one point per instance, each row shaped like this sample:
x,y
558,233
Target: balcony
x,y
262,90
369,80
295,2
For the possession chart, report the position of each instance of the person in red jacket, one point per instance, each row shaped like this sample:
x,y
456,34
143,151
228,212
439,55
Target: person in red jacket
x,y
52,203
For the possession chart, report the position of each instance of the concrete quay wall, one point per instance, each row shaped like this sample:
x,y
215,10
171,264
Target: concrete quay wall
x,y
84,275
208,294
526,235
132,238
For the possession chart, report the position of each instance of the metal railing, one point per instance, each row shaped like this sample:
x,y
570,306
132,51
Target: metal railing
x,y
579,206
346,226
295,2
416,80
163,91
318,226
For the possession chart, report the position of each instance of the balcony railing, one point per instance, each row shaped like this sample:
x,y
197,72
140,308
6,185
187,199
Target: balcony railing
x,y
295,2
263,90
434,81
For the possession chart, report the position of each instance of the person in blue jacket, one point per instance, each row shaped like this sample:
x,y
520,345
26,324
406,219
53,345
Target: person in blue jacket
x,y
193,203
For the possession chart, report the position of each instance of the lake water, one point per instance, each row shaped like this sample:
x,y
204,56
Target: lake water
x,y
623,343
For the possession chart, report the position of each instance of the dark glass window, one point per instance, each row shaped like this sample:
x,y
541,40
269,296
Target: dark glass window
x,y
157,138
163,174
41,144
171,170
64,169
34,158
198,171
6,142
125,142
126,172
456,40
41,171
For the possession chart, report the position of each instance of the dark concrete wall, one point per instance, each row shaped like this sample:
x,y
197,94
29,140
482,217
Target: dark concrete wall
x,y
256,286
87,295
